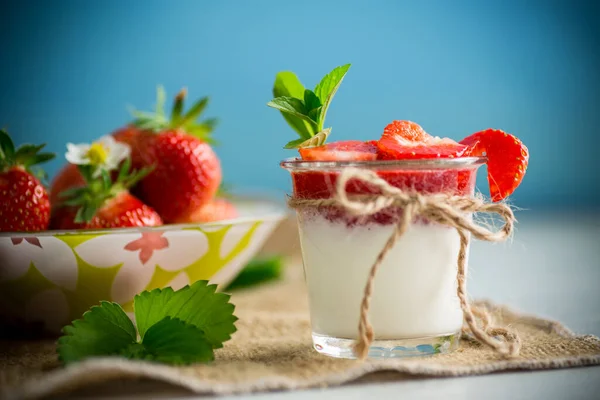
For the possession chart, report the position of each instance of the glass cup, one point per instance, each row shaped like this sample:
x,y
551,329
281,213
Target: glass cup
x,y
414,307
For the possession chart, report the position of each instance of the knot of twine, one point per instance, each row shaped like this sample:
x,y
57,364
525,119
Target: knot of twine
x,y
452,211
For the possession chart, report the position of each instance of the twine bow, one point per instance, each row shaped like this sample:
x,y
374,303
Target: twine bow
x,y
452,211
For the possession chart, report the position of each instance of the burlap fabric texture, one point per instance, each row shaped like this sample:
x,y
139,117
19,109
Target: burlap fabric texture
x,y
272,350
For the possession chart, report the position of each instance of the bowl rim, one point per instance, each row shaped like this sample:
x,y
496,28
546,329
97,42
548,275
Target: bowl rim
x,y
276,212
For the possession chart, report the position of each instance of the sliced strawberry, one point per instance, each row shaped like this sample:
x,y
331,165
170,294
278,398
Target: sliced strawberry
x,y
391,149
406,131
402,140
349,150
507,160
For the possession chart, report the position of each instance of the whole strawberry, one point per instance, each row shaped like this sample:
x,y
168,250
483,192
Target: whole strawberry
x,y
218,209
187,172
24,203
104,203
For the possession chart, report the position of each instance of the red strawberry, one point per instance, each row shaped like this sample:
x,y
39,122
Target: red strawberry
x,y
187,172
102,203
407,140
68,177
216,210
24,203
63,217
349,150
507,159
124,210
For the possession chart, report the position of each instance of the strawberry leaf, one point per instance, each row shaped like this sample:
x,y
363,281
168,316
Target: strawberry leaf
x,y
204,320
173,341
198,305
103,330
7,147
160,100
194,112
26,155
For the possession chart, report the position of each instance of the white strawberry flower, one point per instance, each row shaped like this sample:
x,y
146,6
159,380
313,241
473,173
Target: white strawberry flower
x,y
104,154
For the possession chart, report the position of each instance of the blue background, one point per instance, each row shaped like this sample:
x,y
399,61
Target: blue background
x,y
69,70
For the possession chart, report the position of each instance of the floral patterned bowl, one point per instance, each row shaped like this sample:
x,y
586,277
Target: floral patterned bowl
x,y
47,279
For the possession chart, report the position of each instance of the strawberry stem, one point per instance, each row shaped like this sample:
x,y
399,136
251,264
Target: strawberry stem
x,y
186,121
25,156
98,191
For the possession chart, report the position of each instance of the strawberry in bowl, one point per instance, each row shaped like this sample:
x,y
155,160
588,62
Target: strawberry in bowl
x,y
414,309
138,209
24,202
186,172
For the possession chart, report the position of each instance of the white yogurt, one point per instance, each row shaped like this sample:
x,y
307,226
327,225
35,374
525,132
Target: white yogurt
x,y
415,288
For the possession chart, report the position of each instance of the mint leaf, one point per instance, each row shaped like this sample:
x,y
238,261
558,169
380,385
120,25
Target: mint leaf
x,y
305,110
292,110
294,144
311,101
198,305
173,341
317,140
287,84
293,107
326,89
103,330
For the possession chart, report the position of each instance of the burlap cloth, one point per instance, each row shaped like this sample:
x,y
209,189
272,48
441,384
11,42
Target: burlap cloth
x,y
272,350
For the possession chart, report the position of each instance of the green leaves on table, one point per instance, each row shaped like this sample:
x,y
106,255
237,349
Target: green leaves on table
x,y
175,327
258,271
198,305
304,109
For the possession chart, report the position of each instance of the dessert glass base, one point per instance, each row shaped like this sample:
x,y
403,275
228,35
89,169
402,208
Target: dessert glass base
x,y
397,348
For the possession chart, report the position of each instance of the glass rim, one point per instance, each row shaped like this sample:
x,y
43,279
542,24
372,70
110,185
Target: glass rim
x,y
298,164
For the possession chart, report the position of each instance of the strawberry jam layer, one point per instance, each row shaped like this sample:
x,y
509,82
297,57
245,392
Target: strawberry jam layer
x,y
321,184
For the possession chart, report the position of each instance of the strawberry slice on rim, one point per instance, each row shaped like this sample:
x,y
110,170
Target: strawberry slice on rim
x,y
507,159
347,150
405,140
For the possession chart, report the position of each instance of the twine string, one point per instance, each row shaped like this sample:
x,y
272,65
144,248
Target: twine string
x,y
448,210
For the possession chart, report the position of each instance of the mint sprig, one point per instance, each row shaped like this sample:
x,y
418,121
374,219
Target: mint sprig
x,y
174,327
304,109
